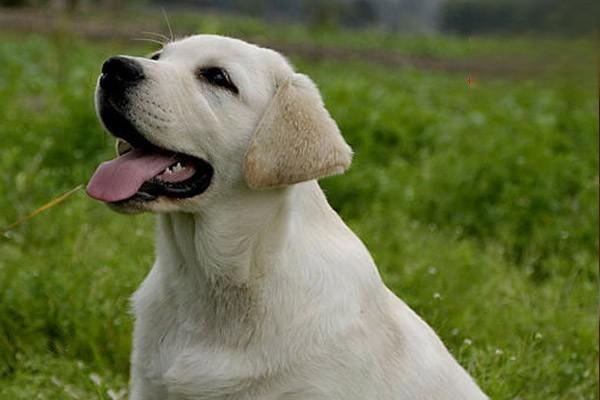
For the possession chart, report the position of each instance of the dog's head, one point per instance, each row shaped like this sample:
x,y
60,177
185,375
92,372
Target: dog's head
x,y
205,116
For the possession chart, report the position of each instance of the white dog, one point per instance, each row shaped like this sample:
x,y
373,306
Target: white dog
x,y
259,290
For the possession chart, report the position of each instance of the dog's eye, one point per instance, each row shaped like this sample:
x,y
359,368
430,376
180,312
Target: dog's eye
x,y
218,77
155,56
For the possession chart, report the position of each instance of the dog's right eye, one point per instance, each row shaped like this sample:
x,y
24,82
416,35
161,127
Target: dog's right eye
x,y
155,56
218,77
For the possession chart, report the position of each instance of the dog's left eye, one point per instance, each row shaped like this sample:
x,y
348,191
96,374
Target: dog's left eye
x,y
218,77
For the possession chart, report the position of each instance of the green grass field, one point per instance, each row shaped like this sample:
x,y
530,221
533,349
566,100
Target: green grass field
x,y
478,204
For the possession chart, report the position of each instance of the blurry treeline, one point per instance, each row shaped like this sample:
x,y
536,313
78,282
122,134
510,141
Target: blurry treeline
x,y
568,17
553,17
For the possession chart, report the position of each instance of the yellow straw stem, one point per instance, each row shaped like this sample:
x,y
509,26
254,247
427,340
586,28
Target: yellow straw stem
x,y
43,208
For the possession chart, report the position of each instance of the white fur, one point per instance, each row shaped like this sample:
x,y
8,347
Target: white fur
x,y
262,294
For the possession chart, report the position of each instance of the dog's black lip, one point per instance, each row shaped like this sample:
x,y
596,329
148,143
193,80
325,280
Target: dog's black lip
x,y
119,126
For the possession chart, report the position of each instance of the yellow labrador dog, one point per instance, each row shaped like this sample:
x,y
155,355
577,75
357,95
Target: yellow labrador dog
x,y
259,289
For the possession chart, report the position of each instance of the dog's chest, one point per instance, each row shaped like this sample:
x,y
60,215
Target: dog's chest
x,y
163,328
178,363
161,335
177,348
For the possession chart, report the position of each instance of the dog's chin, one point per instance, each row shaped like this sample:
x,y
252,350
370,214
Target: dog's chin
x,y
130,207
160,205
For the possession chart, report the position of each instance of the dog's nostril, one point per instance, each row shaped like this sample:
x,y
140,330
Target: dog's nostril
x,y
122,69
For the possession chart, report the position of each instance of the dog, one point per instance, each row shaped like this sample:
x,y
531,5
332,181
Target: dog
x,y
259,289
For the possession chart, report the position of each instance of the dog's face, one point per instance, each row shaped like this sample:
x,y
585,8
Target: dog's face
x,y
205,117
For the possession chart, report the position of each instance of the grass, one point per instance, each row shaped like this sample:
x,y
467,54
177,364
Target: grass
x,y
479,206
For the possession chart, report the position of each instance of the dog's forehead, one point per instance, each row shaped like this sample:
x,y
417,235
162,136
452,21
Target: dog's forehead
x,y
212,48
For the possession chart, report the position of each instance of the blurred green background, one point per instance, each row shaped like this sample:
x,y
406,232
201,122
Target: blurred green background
x,y
474,184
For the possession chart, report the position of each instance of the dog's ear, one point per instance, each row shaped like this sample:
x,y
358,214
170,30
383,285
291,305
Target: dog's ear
x,y
296,139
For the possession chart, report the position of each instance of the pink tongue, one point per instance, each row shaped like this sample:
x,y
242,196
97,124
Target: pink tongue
x,y
121,178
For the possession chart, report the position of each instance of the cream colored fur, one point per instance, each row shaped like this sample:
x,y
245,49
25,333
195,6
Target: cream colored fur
x,y
296,140
265,294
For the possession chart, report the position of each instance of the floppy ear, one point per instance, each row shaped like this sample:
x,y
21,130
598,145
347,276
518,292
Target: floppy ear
x,y
296,139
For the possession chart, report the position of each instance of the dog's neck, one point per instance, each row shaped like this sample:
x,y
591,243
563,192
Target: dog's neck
x,y
226,255
218,243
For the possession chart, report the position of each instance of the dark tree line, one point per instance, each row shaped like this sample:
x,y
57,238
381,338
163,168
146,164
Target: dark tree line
x,y
570,17
564,17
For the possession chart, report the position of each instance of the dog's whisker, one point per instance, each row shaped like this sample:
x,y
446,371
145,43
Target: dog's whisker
x,y
149,40
160,35
168,24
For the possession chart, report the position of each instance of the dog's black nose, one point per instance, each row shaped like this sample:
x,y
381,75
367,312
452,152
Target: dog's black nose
x,y
119,72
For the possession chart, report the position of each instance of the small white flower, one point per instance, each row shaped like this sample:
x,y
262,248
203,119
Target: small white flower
x,y
437,296
71,392
468,342
96,379
455,331
432,270
116,395
499,352
513,358
538,336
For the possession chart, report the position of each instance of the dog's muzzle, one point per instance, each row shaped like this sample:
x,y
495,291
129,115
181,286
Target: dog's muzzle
x,y
142,171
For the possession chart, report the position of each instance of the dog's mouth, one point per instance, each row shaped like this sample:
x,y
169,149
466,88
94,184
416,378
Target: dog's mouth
x,y
143,171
